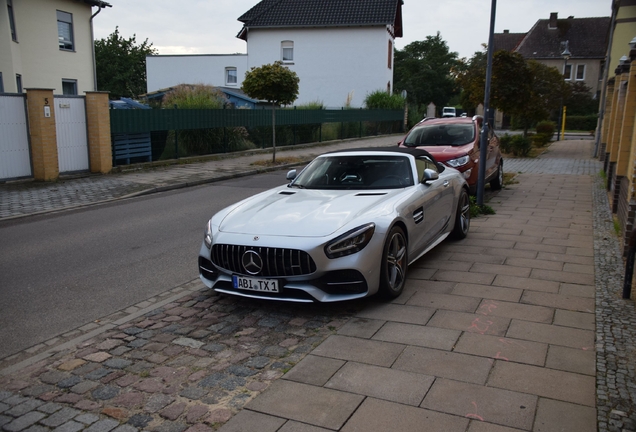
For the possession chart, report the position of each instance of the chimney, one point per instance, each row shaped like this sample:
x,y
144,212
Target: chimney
x,y
506,31
553,20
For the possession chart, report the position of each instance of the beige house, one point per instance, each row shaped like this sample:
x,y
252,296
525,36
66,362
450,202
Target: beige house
x,y
616,142
48,44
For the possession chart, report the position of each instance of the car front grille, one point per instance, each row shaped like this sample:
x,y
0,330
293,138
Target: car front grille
x,y
276,262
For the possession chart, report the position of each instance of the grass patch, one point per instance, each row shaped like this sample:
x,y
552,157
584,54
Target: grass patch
x,y
476,210
509,179
279,161
617,227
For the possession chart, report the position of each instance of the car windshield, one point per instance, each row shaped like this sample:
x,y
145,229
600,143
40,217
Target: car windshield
x,y
356,172
456,134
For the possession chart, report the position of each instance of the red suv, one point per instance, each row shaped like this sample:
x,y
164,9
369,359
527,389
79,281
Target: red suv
x,y
455,142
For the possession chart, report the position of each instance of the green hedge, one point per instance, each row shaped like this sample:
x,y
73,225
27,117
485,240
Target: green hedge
x,y
583,123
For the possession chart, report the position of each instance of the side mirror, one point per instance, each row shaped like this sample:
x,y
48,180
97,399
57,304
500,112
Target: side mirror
x,y
291,174
429,176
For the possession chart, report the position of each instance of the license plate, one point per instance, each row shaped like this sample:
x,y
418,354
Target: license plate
x,y
253,284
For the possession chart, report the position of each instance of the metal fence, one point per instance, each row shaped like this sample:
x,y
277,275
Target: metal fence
x,y
178,133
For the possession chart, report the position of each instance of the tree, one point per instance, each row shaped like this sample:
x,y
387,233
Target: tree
x,y
579,99
121,65
527,90
546,93
426,69
274,83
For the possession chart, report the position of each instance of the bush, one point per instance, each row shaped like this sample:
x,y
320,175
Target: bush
x,y
505,143
520,145
583,123
382,100
546,127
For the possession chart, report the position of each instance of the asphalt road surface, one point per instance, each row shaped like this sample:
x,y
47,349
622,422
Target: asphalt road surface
x,y
60,271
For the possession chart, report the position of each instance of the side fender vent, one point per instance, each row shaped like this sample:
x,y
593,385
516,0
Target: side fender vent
x,y
418,215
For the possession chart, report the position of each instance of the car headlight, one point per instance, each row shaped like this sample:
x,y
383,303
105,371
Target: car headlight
x,y
350,242
207,237
461,161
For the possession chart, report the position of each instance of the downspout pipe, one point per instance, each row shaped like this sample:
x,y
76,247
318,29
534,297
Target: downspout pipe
x,y
99,9
608,59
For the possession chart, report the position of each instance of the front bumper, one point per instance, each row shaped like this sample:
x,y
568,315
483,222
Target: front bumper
x,y
346,278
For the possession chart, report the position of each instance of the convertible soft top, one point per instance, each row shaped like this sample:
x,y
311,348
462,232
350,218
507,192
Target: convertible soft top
x,y
414,151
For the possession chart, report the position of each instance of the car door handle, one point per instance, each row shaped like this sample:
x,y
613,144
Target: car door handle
x,y
446,183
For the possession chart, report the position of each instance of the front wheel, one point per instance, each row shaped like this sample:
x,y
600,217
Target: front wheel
x,y
394,264
462,217
497,182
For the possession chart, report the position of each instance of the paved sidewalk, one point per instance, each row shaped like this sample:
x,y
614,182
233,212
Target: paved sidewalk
x,y
517,327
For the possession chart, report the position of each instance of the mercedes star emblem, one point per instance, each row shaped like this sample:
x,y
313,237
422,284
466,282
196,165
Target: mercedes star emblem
x,y
252,262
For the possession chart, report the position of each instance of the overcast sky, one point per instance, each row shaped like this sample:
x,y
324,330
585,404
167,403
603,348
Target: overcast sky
x,y
211,26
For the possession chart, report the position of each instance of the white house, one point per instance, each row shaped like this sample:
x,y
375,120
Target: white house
x,y
48,44
341,50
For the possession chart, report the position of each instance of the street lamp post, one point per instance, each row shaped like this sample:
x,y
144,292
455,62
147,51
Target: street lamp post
x,y
566,54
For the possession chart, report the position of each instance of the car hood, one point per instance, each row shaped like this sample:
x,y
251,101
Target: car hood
x,y
444,153
305,212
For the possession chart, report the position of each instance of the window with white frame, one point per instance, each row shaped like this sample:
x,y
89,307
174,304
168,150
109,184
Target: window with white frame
x,y
287,51
65,31
14,35
231,77
18,82
69,87
580,72
390,53
1,84
567,72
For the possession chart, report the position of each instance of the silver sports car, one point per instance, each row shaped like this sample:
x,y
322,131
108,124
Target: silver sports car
x,y
347,226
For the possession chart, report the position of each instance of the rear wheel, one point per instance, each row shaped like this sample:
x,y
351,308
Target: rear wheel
x,y
462,217
394,264
497,182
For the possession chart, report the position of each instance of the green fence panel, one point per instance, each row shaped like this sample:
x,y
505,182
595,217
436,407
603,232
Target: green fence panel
x,y
136,121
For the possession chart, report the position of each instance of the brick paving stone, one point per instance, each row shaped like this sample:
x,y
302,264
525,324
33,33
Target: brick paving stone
x,y
388,384
23,408
515,310
444,364
105,425
492,325
484,403
364,351
495,347
23,421
105,393
409,334
84,386
559,385
559,301
552,334
443,301
380,415
60,417
488,292
70,426
87,419
36,428
125,428
399,313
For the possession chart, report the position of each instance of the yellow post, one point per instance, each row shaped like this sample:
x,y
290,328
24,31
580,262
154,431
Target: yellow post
x,y
563,123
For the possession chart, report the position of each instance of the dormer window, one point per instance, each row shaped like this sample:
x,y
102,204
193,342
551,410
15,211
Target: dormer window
x,y
287,51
